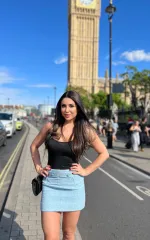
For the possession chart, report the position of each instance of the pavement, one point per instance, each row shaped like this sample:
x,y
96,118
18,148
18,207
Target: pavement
x,y
139,160
21,218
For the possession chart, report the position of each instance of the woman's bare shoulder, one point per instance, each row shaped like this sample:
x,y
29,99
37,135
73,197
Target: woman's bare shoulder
x,y
46,128
40,138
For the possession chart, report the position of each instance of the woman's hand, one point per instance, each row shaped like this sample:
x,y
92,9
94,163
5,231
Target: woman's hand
x,y
43,171
78,169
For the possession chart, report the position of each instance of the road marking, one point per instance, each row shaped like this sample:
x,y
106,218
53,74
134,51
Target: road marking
x,y
144,190
10,161
6,215
117,181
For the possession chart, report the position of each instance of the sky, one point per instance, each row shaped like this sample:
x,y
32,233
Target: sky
x,y
34,46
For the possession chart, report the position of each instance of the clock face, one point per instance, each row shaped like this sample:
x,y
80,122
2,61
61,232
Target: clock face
x,y
86,2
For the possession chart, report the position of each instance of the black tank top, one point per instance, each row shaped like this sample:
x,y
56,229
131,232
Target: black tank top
x,y
60,154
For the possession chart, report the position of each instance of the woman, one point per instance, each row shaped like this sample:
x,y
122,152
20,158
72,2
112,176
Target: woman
x,y
143,133
135,136
63,184
104,128
115,128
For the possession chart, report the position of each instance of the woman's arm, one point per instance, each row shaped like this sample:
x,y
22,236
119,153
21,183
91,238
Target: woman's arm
x,y
131,128
103,155
37,142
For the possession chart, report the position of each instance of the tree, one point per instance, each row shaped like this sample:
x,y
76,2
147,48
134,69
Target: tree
x,y
144,90
85,96
100,100
132,82
139,87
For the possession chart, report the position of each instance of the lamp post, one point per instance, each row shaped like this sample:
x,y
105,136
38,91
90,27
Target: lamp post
x,y
55,96
47,105
110,10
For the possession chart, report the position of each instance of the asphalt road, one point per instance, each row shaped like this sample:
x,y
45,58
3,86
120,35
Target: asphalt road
x,y
115,206
117,202
9,156
5,152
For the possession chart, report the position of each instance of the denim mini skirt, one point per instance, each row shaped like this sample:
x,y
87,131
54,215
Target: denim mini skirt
x,y
62,191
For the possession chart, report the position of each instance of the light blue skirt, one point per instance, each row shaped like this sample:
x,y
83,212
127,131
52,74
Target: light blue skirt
x,y
62,191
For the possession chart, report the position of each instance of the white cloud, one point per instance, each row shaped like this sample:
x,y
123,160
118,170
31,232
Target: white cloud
x,y
62,59
6,77
113,53
136,56
41,86
116,63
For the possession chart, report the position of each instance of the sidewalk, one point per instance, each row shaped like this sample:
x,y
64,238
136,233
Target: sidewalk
x,y
139,160
21,218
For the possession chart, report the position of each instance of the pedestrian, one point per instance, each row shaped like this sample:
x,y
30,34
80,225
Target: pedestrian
x,y
143,133
100,127
135,136
104,128
63,189
110,131
115,129
129,124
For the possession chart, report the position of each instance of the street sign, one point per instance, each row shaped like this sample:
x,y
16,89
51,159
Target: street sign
x,y
118,88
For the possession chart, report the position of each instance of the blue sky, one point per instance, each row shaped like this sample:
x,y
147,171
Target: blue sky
x,y
34,46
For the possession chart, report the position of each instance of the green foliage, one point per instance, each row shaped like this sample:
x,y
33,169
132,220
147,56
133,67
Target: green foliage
x,y
137,82
100,100
85,96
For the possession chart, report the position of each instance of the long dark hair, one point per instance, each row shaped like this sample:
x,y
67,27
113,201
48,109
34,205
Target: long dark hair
x,y
82,126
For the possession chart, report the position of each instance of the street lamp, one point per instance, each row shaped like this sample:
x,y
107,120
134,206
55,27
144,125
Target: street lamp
x,y
47,105
110,10
55,96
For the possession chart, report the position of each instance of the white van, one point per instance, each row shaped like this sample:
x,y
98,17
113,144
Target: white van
x,y
9,121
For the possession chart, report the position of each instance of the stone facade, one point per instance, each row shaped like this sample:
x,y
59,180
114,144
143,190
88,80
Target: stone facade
x,y
83,43
84,18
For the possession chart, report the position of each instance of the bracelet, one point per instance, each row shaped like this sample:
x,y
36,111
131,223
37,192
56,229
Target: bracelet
x,y
38,167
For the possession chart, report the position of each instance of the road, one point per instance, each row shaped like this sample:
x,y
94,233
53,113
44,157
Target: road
x,y
115,208
117,202
9,156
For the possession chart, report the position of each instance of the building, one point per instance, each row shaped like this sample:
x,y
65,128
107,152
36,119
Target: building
x,y
83,23
84,17
29,109
83,43
45,109
17,109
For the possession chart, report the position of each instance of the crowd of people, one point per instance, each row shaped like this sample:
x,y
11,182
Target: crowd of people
x,y
138,132
104,124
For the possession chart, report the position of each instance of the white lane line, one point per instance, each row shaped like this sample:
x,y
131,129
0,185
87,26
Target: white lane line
x,y
121,184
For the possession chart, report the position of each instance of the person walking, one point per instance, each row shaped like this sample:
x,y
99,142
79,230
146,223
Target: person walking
x,y
104,128
115,129
135,136
143,133
63,189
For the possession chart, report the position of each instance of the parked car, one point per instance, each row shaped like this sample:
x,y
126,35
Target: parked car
x,y
19,124
9,121
3,135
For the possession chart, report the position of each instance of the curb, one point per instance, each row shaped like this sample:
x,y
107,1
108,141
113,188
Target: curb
x,y
129,164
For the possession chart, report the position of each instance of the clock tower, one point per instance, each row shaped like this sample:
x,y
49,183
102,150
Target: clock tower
x,y
83,43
